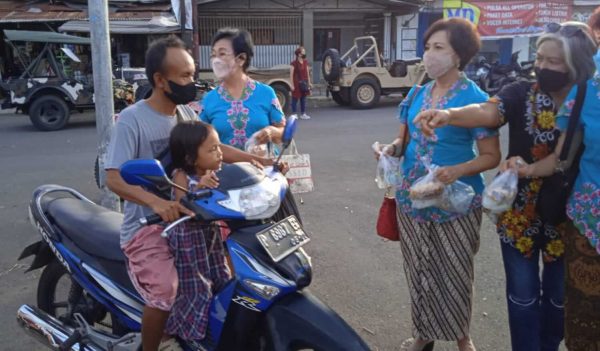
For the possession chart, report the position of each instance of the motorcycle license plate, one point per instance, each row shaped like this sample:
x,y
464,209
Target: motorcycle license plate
x,y
283,238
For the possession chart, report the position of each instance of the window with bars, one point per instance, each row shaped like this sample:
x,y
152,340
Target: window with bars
x,y
265,29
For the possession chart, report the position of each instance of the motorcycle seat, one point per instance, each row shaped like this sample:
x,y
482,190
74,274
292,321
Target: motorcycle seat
x,y
93,228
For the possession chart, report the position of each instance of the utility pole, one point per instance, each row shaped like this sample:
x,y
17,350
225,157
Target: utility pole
x,y
195,35
103,91
187,35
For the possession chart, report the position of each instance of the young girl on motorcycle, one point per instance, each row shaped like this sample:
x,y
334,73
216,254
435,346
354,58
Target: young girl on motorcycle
x,y
197,247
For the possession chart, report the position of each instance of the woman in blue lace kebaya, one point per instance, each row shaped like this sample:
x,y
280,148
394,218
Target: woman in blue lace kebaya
x,y
240,106
439,247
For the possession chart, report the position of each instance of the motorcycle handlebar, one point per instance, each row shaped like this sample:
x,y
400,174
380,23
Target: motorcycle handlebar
x,y
151,219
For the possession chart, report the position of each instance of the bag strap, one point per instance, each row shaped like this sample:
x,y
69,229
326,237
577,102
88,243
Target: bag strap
x,y
573,146
406,135
184,113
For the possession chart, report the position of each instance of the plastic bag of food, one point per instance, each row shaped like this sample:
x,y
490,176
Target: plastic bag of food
x,y
389,173
457,198
427,191
500,194
262,150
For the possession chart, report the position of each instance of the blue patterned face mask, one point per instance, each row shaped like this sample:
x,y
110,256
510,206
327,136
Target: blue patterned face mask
x,y
597,60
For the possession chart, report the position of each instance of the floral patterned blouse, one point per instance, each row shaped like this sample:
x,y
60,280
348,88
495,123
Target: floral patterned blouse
x,y
237,119
583,207
449,146
533,134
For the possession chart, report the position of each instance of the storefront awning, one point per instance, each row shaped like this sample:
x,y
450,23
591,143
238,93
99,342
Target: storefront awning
x,y
156,25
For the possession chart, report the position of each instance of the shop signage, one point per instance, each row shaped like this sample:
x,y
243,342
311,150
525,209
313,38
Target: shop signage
x,y
509,18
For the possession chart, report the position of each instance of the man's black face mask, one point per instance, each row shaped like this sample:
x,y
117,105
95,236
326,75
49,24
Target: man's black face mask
x,y
181,94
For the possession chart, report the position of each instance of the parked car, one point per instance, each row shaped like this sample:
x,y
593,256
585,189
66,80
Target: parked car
x,y
48,93
359,78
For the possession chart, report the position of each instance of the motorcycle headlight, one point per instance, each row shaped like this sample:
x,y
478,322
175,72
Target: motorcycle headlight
x,y
259,201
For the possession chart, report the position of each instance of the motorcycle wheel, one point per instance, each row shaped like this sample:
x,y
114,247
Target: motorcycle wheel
x,y
60,296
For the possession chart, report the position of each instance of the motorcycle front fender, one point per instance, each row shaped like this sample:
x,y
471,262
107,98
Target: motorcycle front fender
x,y
300,320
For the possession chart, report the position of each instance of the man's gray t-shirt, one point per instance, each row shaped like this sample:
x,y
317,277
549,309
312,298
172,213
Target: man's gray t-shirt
x,y
140,132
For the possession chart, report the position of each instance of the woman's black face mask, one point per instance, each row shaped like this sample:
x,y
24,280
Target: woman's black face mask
x,y
550,80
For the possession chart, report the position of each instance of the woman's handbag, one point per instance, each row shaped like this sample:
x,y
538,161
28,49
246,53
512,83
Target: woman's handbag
x,y
552,199
303,85
387,222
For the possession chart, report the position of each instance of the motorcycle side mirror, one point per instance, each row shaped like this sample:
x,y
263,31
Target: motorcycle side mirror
x,y
288,135
289,131
146,173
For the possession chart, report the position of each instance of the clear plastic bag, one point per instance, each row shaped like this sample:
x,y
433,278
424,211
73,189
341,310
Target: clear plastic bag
x,y
262,150
457,197
500,194
427,191
389,173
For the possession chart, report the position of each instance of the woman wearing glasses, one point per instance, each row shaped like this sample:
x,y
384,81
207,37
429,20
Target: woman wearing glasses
x,y
535,306
240,106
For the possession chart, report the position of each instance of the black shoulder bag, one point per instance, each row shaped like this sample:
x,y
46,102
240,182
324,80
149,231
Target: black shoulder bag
x,y
556,189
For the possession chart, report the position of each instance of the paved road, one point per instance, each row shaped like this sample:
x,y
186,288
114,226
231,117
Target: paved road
x,y
357,274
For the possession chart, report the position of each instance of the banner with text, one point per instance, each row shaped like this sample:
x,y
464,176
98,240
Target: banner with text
x,y
509,18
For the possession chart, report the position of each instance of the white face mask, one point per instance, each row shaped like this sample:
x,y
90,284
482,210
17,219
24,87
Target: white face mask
x,y
437,64
221,68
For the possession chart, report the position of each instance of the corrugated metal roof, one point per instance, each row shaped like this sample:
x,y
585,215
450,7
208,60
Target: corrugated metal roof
x,y
51,16
20,12
121,27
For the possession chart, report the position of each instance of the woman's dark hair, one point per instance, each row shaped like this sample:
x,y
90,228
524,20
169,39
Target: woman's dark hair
x,y
462,35
186,137
241,41
155,56
298,50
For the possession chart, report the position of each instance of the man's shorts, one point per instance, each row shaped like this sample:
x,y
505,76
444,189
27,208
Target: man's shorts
x,y
151,267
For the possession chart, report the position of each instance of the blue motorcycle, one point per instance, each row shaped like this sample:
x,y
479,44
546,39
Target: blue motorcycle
x,y
263,307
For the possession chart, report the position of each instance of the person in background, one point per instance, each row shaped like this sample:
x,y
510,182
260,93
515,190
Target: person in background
x,y
439,247
594,23
302,84
536,309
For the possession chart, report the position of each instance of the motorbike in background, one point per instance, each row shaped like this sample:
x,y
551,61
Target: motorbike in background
x,y
499,75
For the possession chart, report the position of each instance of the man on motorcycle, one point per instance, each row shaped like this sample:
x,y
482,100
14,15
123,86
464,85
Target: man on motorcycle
x,y
142,131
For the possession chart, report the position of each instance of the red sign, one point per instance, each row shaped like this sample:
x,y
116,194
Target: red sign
x,y
510,18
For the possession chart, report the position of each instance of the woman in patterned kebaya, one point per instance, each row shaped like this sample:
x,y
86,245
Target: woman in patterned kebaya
x,y
439,247
240,106
535,302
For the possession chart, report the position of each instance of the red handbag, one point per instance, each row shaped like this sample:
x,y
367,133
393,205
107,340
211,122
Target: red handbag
x,y
387,222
